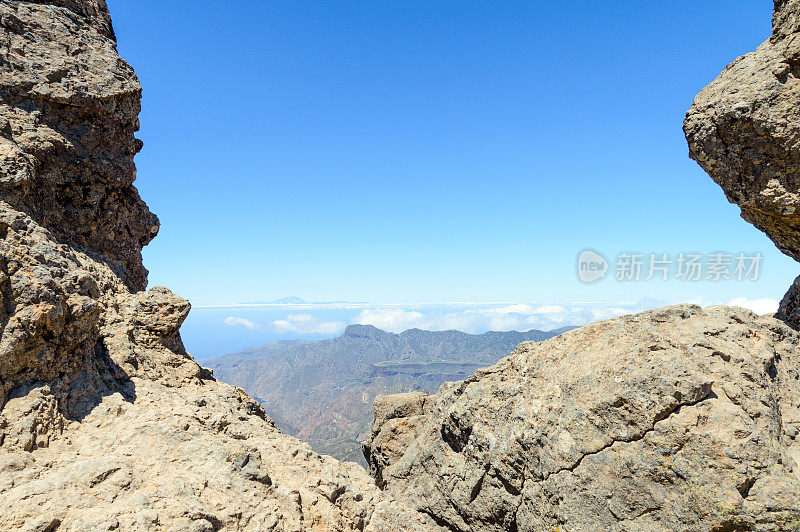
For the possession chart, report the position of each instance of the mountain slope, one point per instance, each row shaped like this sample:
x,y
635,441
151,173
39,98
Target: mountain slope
x,y
322,391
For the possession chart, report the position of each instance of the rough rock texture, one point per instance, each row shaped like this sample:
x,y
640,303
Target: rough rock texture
x,y
106,423
322,392
744,130
679,419
68,114
676,419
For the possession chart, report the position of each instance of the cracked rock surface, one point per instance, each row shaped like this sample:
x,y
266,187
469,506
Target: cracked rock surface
x,y
676,419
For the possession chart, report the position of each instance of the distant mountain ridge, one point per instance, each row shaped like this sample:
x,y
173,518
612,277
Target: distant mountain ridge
x,y
322,391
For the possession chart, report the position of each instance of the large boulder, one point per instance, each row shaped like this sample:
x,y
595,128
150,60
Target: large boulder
x,y
744,130
676,419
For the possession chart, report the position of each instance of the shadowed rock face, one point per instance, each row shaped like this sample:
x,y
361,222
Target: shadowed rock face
x,y
67,122
786,19
72,225
744,129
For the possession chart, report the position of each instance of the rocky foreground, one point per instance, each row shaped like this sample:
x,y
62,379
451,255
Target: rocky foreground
x,y
678,419
675,419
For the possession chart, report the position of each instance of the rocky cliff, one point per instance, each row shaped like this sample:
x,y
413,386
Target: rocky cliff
x,y
105,422
676,419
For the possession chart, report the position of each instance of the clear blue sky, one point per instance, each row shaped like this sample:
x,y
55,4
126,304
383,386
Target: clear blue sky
x,y
431,151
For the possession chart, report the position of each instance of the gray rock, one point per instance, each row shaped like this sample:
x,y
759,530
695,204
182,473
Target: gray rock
x,y
678,419
744,127
69,116
789,308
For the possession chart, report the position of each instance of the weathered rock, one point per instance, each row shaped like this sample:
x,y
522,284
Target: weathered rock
x,y
309,390
744,130
106,423
673,419
676,419
397,419
68,114
149,456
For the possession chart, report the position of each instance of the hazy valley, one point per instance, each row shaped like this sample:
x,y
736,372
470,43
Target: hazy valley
x,y
322,391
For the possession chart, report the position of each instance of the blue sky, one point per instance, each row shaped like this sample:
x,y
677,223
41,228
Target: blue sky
x,y
429,152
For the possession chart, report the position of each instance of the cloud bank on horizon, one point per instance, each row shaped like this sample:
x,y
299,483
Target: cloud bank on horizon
x,y
469,318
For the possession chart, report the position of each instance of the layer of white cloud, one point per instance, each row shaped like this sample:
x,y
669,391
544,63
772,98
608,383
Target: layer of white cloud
x,y
306,324
759,306
471,318
501,318
233,321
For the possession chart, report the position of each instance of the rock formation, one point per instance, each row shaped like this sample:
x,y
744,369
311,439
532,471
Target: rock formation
x,y
322,392
105,422
744,130
676,419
